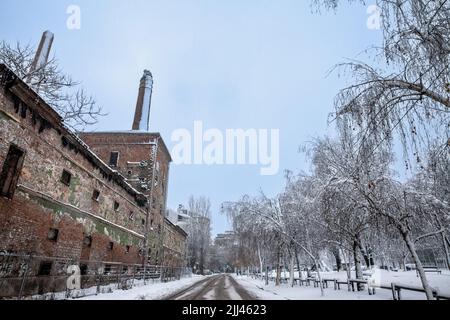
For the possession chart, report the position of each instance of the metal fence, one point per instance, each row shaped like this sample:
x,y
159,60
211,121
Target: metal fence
x,y
39,277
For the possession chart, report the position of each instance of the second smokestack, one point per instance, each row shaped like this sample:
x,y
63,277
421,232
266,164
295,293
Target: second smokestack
x,y
142,114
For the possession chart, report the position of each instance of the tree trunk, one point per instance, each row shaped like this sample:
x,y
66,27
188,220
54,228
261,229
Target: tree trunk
x,y
260,261
298,263
320,277
337,256
358,271
291,271
278,275
412,249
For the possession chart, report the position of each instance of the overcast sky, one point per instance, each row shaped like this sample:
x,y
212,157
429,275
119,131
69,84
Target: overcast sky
x,y
231,64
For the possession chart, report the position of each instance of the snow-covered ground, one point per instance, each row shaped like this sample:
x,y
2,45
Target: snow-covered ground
x,y
285,292
154,291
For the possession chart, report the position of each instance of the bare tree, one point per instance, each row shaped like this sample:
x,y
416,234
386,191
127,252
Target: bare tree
x,y
199,231
58,89
406,87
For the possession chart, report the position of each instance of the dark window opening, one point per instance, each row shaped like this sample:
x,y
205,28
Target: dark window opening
x,y
87,241
114,159
110,245
11,171
96,195
53,234
130,172
127,249
83,269
107,269
116,206
45,268
66,177
143,221
131,216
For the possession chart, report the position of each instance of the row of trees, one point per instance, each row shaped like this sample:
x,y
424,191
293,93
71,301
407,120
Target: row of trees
x,y
352,203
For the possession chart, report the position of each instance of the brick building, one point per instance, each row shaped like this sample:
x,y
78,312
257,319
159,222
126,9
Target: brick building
x,y
61,198
174,245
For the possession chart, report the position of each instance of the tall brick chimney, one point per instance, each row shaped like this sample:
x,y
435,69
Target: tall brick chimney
x,y
144,100
42,53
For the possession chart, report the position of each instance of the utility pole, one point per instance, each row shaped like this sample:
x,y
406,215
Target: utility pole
x,y
149,206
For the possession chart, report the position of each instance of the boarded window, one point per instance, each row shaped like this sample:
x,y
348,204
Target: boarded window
x,y
95,195
53,234
114,159
11,171
45,268
66,177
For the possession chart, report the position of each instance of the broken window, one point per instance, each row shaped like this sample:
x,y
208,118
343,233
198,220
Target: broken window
x,y
45,268
116,206
66,177
87,241
114,159
53,234
107,269
95,195
131,216
110,246
127,249
83,269
11,171
143,221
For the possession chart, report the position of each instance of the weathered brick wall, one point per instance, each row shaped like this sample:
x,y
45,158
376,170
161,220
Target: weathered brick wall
x,y
174,245
135,147
42,201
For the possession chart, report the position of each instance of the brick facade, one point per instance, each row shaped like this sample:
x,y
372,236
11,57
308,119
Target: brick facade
x,y
68,202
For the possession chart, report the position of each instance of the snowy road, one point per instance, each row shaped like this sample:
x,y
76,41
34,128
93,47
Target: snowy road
x,y
219,287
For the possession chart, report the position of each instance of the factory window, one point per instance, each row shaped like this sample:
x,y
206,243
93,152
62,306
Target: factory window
x,y
95,195
127,249
83,269
53,234
87,241
11,171
114,159
143,221
45,268
107,269
66,177
110,246
131,216
116,206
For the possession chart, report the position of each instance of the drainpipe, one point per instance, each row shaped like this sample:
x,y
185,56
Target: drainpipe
x,y
149,206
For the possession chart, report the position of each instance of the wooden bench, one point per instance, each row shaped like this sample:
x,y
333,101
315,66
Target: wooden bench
x,y
325,282
397,288
303,282
430,269
338,283
356,281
